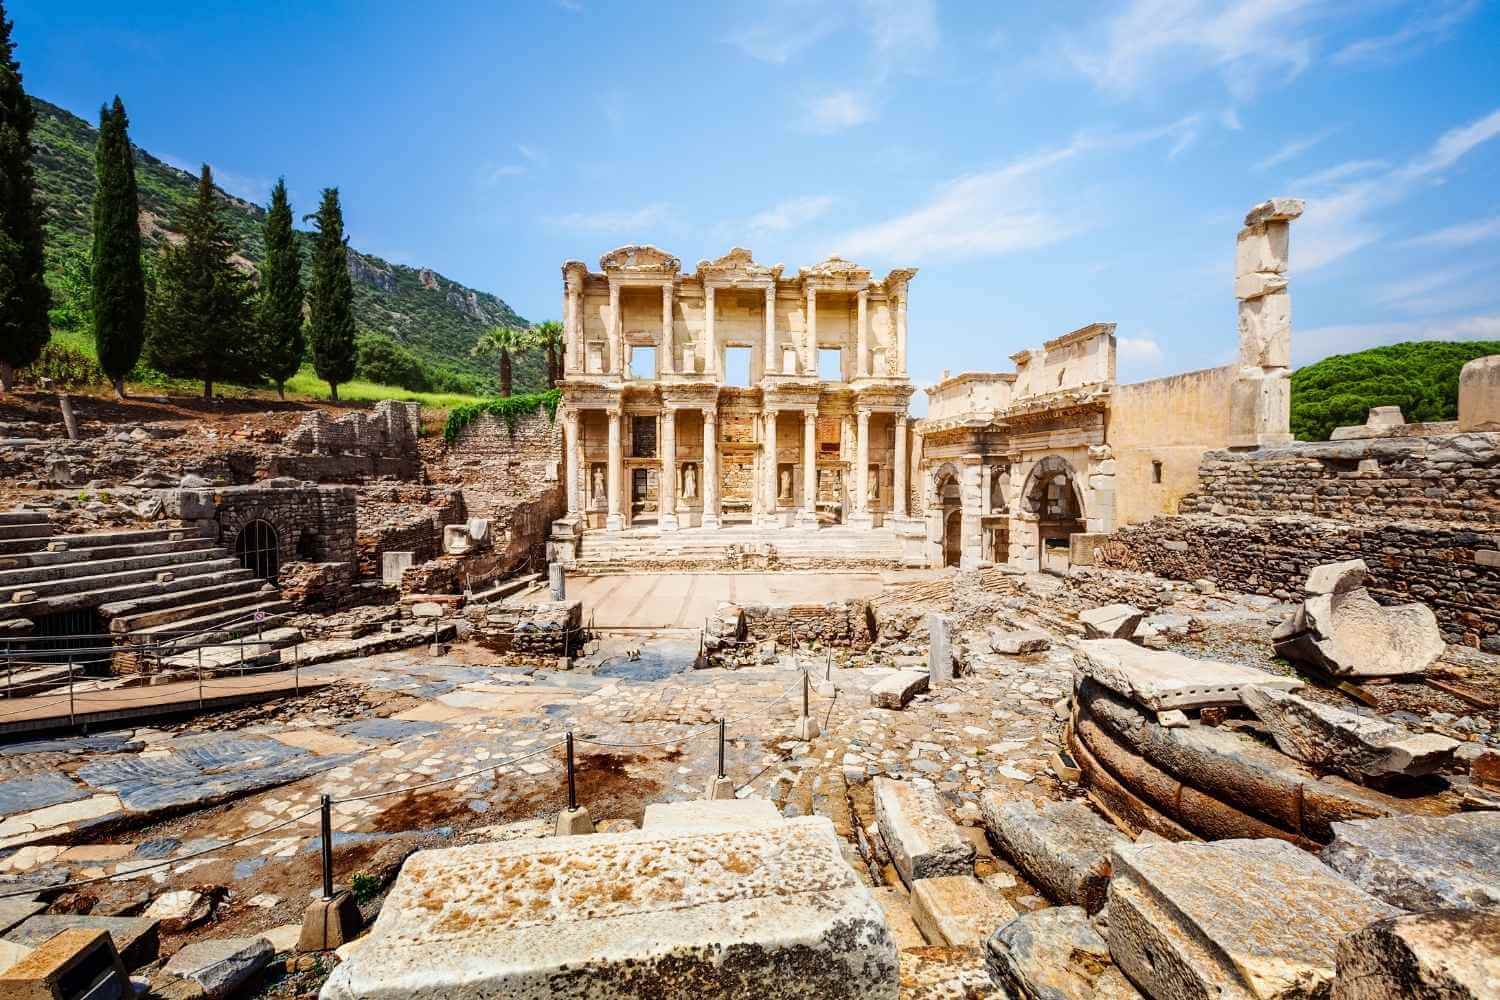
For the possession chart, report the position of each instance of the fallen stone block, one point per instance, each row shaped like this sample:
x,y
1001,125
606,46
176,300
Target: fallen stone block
x,y
898,689
1054,954
1344,632
896,905
1350,744
1018,642
1442,955
220,966
180,909
1336,578
629,914
1062,847
1162,680
958,910
135,938
699,816
922,840
1233,918
938,972
1113,621
1421,862
74,963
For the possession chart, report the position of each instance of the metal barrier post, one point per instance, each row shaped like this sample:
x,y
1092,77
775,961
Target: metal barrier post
x,y
297,670
200,687
805,683
721,748
572,787
70,689
327,823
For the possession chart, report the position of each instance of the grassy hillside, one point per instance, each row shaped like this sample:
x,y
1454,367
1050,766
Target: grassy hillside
x,y
1419,377
436,318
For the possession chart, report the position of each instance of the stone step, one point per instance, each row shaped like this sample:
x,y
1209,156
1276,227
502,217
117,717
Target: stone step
x,y
97,539
48,592
10,517
222,625
22,532
245,583
193,604
45,562
191,577
39,577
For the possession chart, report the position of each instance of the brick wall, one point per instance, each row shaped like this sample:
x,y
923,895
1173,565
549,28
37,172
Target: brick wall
x,y
312,523
404,518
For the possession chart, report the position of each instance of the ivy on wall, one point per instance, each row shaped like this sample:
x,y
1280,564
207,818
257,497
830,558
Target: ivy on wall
x,y
507,408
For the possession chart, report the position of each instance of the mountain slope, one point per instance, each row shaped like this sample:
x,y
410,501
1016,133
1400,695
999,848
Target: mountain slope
x,y
438,319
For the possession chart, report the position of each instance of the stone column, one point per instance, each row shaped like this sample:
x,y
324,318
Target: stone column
x,y
898,502
862,516
667,490
901,334
665,363
862,336
709,486
616,520
772,483
570,457
1260,400
573,323
808,518
616,350
710,339
811,352
771,328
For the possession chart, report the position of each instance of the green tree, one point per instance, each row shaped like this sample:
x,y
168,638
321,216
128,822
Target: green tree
x,y
504,341
278,315
331,298
72,290
386,362
119,283
24,298
202,318
549,336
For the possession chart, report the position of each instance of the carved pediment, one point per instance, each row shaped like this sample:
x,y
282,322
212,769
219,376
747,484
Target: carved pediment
x,y
835,269
639,259
737,264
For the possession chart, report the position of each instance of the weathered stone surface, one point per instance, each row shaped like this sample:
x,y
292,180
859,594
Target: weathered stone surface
x,y
135,938
220,966
923,841
899,688
1160,680
16,909
1054,954
1234,918
697,816
11,953
775,911
1421,862
1016,642
1341,741
1063,847
1442,955
939,649
896,905
180,909
1336,578
940,972
1347,633
1113,621
75,963
1479,395
958,910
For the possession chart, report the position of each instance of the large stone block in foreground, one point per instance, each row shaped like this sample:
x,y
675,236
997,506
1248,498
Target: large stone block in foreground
x,y
1063,847
1231,919
1421,862
765,913
1441,955
1161,680
923,841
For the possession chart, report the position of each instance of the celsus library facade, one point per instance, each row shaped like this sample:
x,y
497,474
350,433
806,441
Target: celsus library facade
x,y
743,401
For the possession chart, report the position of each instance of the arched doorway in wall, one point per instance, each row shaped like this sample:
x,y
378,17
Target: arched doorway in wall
x,y
256,549
951,503
1052,495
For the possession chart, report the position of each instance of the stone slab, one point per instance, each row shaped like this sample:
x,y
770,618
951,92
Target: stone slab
x,y
134,937
1421,862
1350,744
220,966
1113,621
1062,847
1442,955
1054,954
774,911
958,910
896,905
11,953
922,840
939,649
1232,918
17,909
1018,642
1350,634
899,688
1162,680
710,817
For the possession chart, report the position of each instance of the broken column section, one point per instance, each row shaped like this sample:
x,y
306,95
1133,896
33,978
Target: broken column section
x,y
1261,399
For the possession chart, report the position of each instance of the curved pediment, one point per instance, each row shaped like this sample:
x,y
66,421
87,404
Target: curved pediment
x,y
836,269
640,259
738,264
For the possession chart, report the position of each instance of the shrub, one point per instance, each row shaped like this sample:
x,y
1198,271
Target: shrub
x,y
383,360
66,367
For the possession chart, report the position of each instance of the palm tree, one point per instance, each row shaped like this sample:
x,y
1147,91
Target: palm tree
x,y
549,336
505,341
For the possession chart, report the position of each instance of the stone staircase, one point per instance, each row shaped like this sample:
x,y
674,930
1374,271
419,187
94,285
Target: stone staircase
x,y
173,588
739,549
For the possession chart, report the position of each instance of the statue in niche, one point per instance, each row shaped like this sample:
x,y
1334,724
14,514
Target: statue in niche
x,y
598,490
786,484
874,483
689,482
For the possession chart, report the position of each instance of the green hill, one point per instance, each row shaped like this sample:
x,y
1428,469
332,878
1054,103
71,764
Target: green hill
x,y
1420,377
439,320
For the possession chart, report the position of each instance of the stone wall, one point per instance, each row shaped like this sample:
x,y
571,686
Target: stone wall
x,y
355,446
312,523
548,628
317,586
404,518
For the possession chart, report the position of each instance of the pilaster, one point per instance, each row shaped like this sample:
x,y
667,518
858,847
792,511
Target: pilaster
x,y
665,361
710,485
667,490
862,517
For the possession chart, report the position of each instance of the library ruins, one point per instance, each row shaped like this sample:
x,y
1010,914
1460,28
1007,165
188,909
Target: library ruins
x,y
709,671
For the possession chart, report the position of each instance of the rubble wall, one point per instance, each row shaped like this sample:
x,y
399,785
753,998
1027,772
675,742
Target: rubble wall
x,y
402,518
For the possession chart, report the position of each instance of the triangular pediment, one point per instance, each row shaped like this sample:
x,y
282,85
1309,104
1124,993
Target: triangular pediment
x,y
640,259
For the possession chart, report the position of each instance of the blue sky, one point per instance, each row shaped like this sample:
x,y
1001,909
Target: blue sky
x,y
1045,165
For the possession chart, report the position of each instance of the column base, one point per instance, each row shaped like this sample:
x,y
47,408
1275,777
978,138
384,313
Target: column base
x,y
764,520
807,520
710,521
667,522
861,520
615,522
573,822
719,789
807,729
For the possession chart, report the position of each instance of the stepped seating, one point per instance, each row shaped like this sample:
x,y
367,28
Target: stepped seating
x,y
731,548
173,588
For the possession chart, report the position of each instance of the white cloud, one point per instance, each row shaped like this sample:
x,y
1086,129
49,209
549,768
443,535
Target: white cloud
x,y
1293,149
1462,235
530,152
837,111
1139,350
1337,172
1434,24
630,221
245,186
1318,342
1445,290
572,6
901,30
1230,119
791,214
1455,143
901,33
505,170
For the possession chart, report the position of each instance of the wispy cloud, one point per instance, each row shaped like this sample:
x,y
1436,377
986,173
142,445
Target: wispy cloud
x,y
1432,25
842,109
791,214
246,186
572,6
1461,235
631,221
1445,290
901,33
1338,172
1313,343
530,153
1293,149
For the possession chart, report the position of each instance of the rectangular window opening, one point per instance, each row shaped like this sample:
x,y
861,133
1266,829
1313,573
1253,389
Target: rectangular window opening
x,y
1156,472
830,364
643,363
737,366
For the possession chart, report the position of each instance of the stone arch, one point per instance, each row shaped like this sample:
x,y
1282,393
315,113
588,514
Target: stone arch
x,y
257,547
947,501
1053,497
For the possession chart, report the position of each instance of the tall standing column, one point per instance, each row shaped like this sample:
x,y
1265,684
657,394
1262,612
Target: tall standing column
x,y
616,349
808,518
665,362
666,490
772,483
901,334
862,515
572,321
771,365
710,485
570,457
710,338
811,347
616,520
898,502
862,336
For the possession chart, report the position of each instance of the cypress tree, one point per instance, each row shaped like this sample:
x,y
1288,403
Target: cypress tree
x,y
119,283
24,299
202,316
331,298
278,315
